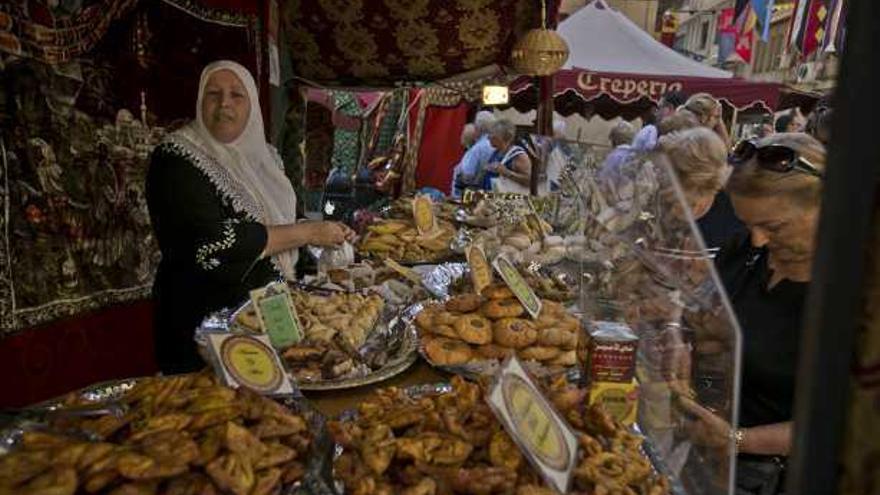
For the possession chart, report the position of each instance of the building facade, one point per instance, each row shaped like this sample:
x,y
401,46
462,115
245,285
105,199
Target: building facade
x,y
698,37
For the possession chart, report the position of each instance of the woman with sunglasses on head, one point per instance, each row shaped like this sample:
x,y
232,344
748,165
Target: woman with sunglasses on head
x,y
776,188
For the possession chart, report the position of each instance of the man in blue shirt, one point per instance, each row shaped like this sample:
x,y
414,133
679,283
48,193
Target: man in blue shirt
x,y
468,174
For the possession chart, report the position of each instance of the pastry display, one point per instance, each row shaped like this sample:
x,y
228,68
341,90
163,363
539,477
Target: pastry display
x,y
336,328
368,276
179,435
470,328
402,208
399,240
545,282
444,443
523,243
490,211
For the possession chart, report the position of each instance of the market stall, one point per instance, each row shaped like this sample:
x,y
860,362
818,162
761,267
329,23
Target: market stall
x,y
424,355
496,344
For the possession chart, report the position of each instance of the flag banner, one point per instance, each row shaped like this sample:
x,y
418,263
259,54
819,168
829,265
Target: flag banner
x,y
745,35
832,26
764,14
726,34
796,31
814,30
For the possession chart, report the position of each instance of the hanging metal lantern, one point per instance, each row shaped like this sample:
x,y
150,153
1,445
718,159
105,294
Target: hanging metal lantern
x,y
540,52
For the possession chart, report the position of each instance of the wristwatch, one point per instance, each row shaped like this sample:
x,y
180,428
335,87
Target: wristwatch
x,y
738,435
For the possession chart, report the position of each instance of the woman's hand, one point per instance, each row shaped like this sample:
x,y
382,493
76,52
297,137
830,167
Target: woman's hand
x,y
494,167
329,234
705,427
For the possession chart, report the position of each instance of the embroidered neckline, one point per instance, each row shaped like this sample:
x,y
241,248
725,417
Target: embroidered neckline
x,y
242,202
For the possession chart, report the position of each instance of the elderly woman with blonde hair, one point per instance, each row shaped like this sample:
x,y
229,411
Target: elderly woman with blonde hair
x,y
699,160
776,188
708,111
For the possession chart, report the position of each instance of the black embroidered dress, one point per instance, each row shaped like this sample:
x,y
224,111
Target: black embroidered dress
x,y
211,249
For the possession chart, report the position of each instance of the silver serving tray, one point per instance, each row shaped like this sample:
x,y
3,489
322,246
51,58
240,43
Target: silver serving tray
x,y
393,331
110,391
418,391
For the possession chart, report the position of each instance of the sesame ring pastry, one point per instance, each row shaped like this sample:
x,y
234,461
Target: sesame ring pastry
x,y
557,337
446,352
567,358
474,329
425,319
514,332
539,352
464,303
494,351
503,308
497,292
444,331
445,318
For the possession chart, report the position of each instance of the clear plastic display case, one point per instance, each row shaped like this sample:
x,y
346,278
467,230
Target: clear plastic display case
x,y
633,245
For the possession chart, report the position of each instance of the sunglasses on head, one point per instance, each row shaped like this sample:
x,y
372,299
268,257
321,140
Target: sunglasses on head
x,y
773,157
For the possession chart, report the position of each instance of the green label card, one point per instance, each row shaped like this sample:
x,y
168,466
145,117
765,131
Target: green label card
x,y
518,285
277,315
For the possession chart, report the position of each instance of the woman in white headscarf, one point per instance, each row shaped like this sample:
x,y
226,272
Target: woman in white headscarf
x,y
223,211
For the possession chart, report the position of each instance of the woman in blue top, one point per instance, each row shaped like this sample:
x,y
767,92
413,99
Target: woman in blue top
x,y
510,169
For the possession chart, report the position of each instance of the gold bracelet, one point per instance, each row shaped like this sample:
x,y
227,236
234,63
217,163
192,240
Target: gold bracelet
x,y
739,436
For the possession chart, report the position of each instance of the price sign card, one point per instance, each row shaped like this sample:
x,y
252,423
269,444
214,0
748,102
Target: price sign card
x,y
249,361
540,432
277,314
481,270
518,285
423,214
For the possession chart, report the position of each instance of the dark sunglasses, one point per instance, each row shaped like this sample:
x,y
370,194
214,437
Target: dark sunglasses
x,y
773,157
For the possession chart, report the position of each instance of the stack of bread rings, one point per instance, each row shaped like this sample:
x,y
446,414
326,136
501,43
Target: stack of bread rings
x,y
470,328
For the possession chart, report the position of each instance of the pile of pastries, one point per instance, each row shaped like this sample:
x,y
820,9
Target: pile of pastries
x,y
523,243
402,208
181,435
399,240
446,443
544,283
470,328
494,211
335,328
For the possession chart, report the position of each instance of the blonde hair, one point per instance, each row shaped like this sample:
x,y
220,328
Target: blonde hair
x,y
622,133
699,158
702,105
750,180
681,120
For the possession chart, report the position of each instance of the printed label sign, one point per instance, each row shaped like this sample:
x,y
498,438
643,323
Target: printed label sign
x,y
518,285
250,361
539,431
277,315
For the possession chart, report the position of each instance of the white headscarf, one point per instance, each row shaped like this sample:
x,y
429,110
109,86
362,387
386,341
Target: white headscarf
x,y
247,170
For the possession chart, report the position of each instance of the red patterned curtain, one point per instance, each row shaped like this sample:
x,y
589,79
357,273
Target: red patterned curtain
x,y
440,149
360,42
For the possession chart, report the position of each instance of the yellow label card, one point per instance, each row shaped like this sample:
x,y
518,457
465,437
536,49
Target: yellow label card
x,y
249,361
423,214
481,271
538,429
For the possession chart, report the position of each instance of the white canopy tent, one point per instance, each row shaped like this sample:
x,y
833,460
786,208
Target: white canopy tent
x,y
604,40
